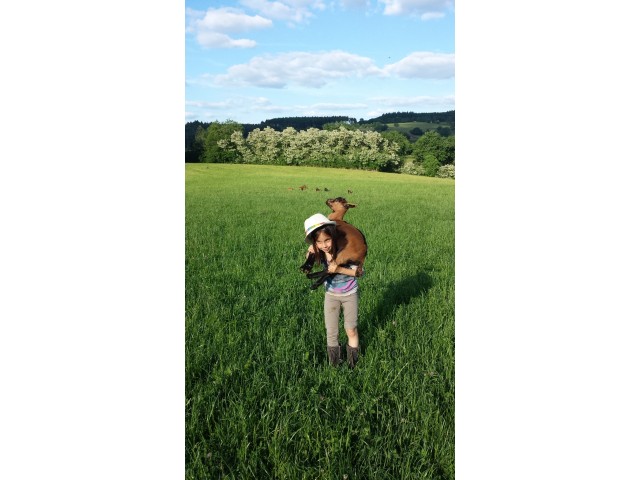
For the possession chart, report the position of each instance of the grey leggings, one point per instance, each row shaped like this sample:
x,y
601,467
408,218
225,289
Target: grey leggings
x,y
332,305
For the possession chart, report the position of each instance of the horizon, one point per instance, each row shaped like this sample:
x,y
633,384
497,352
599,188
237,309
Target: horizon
x,y
317,116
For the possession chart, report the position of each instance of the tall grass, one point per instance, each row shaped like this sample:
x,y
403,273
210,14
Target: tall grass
x,y
261,399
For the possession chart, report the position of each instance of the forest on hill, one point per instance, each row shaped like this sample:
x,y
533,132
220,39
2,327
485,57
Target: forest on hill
x,y
442,122
402,117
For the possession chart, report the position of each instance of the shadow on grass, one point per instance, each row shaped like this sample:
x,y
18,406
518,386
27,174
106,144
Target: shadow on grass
x,y
396,294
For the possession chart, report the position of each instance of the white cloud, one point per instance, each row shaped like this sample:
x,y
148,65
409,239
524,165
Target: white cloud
x,y
300,68
316,70
317,109
337,106
417,102
260,101
424,65
231,20
220,40
272,109
293,11
355,4
191,17
384,105
240,105
201,104
425,9
212,27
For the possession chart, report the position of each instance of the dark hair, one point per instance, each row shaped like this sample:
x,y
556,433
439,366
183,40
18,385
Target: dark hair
x,y
330,230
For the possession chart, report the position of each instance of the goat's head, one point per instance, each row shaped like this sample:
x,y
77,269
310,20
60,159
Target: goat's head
x,y
339,204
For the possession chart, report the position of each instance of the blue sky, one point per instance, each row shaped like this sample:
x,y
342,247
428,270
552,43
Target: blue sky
x,y
251,60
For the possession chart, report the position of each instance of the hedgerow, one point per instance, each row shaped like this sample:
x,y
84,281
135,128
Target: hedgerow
x,y
313,147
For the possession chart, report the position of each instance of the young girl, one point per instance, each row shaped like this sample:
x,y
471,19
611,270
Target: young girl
x,y
341,290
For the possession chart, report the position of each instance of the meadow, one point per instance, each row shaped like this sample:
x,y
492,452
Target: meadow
x,y
406,127
261,400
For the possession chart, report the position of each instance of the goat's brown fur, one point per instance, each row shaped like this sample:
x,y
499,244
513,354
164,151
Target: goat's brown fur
x,y
352,246
339,207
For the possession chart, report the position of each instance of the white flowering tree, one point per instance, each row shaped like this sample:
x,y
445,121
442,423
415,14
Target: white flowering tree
x,y
332,148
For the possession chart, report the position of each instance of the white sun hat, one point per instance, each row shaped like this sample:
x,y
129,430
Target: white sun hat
x,y
313,223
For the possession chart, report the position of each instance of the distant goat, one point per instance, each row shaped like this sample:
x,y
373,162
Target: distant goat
x,y
351,245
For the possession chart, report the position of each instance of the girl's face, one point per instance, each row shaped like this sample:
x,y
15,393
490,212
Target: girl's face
x,y
323,242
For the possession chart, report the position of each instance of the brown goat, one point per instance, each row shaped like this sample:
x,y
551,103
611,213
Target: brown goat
x,y
339,207
354,250
351,245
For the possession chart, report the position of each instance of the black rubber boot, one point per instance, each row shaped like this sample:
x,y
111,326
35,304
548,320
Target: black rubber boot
x,y
352,355
334,355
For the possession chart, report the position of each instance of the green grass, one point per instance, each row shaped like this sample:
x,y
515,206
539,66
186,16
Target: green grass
x,y
406,127
261,399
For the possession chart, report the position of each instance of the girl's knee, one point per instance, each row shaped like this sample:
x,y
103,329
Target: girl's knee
x,y
351,332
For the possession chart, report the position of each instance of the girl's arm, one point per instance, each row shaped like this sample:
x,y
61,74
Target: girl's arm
x,y
334,268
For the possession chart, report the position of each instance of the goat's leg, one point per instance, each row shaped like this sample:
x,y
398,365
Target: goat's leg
x,y
308,264
318,277
312,275
320,280
325,273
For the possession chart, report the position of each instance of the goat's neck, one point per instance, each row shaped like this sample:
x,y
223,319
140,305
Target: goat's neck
x,y
339,215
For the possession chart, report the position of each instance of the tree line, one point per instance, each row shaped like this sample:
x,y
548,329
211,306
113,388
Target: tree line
x,y
403,117
303,123
298,123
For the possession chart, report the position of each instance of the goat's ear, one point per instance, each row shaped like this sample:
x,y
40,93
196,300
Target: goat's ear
x,y
350,205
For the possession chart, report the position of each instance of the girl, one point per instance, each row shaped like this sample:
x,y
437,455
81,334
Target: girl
x,y
341,290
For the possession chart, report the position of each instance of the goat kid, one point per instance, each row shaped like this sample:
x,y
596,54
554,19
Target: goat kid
x,y
351,244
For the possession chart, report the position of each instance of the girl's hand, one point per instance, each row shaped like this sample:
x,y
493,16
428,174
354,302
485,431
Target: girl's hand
x,y
334,268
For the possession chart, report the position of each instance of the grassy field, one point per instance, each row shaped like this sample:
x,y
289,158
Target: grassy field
x,y
261,399
406,127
